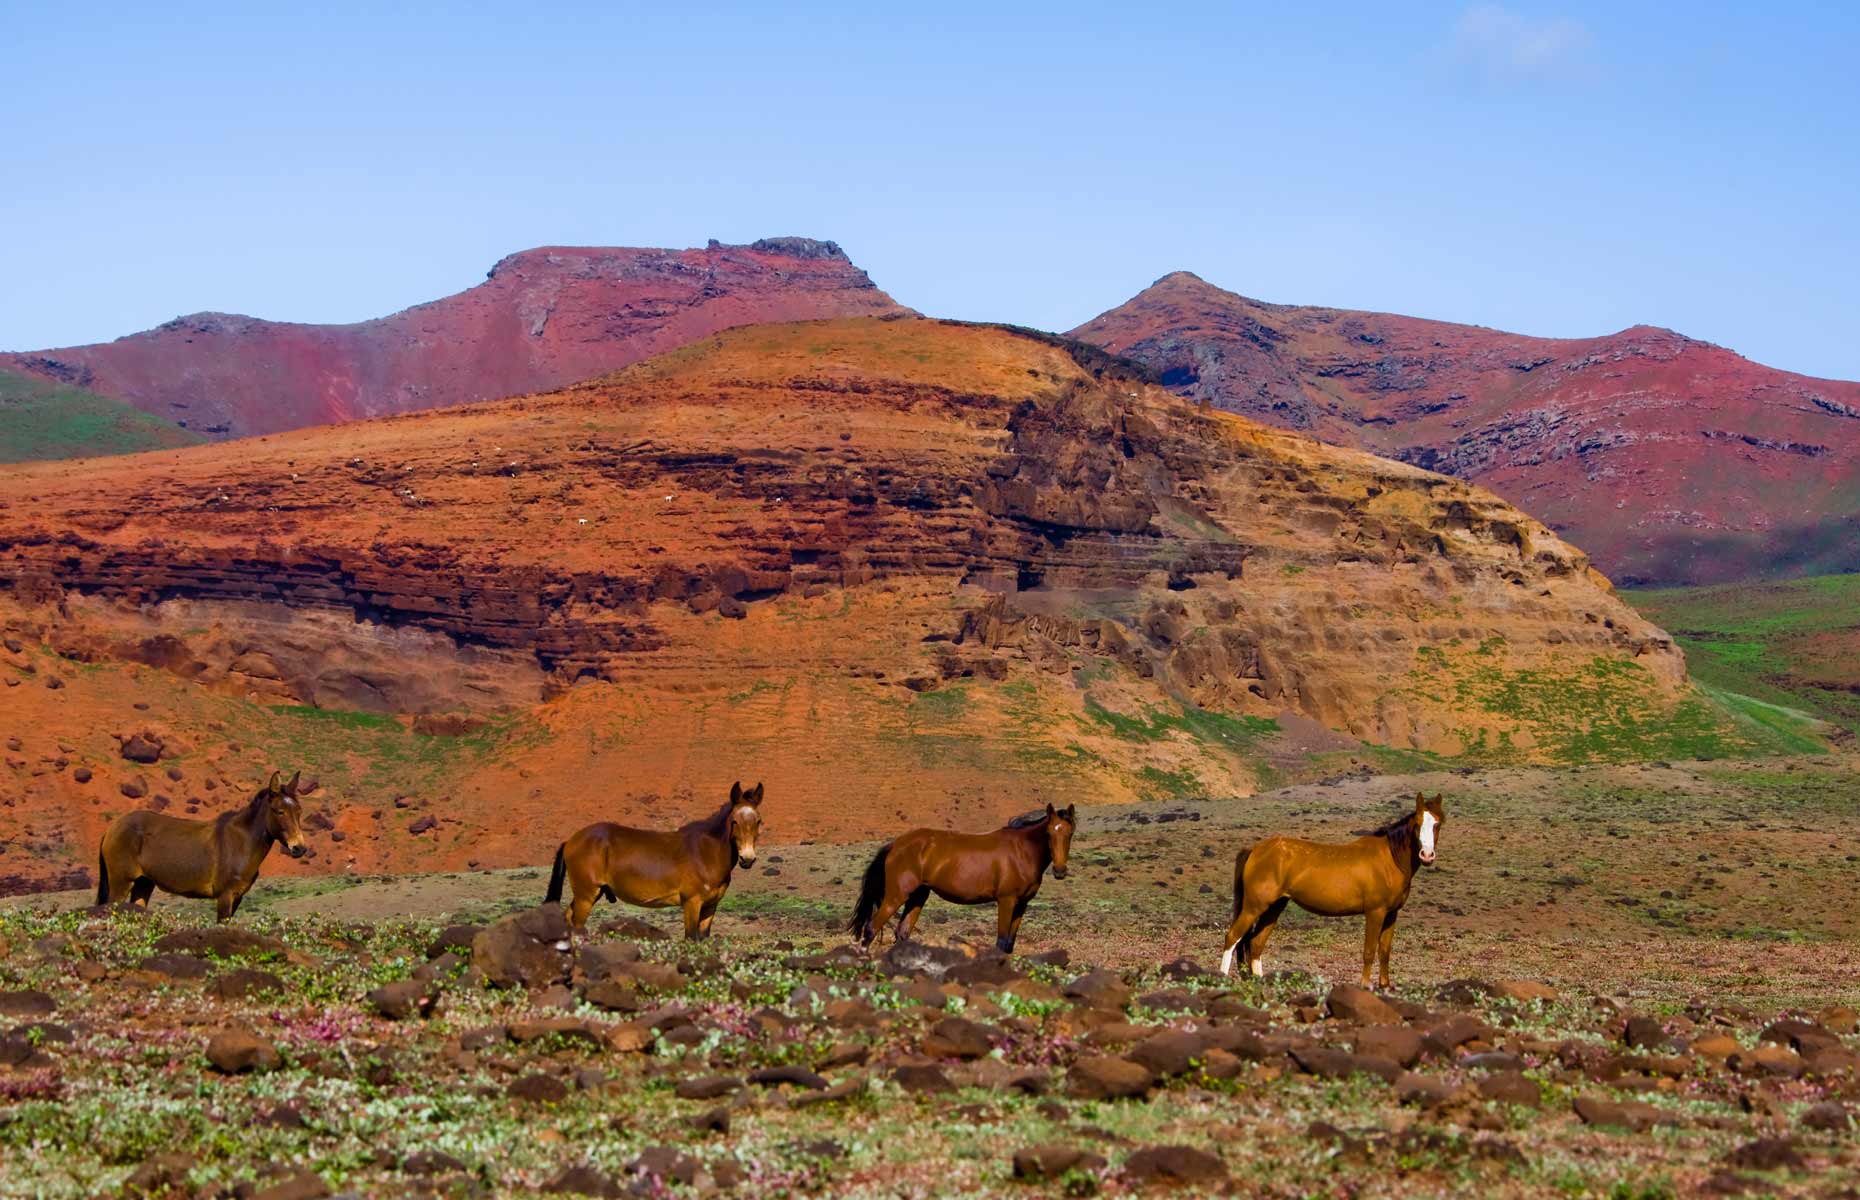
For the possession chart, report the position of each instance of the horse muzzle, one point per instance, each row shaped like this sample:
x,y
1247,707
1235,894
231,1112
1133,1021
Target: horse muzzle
x,y
296,851
747,860
1427,858
1059,872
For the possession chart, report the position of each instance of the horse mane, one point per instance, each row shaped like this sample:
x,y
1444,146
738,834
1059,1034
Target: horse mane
x,y
1399,831
1027,820
717,820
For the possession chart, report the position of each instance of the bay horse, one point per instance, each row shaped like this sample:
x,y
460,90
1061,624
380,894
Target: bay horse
x,y
214,860
1370,875
1005,866
689,866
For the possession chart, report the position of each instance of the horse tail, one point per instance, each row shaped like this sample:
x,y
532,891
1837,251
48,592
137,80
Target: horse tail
x,y
1240,880
871,893
103,876
554,895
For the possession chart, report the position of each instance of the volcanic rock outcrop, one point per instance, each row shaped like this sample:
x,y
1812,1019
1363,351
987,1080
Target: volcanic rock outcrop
x,y
543,318
1668,459
1059,503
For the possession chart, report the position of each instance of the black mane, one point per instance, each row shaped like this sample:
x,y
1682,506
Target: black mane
x,y
1399,832
1027,820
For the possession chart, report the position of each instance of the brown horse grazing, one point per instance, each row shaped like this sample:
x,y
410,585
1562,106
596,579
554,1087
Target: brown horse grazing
x,y
1005,866
206,860
689,866
1370,875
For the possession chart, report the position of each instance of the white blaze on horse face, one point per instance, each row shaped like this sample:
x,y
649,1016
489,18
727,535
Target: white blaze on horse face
x,y
1428,821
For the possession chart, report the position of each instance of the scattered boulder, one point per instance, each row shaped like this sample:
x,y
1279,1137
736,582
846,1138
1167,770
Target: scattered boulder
x,y
528,949
537,1088
299,1185
453,938
142,747
708,1087
1511,1087
237,1051
1050,1161
1767,1154
1338,1064
243,982
583,1180
1347,1002
403,999
1830,1116
922,1079
1170,1052
953,1037
26,1003
1396,1042
1629,1114
1173,1165
1103,1077
1523,991
221,941
795,1075
1099,989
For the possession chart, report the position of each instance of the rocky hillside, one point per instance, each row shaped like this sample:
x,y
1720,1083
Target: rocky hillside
x,y
904,570
542,319
1668,459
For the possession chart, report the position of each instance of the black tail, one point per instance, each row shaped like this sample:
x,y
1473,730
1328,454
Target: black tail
x,y
554,895
871,893
103,878
1240,880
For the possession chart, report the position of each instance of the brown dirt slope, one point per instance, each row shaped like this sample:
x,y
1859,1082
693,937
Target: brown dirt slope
x,y
542,319
1672,461
904,570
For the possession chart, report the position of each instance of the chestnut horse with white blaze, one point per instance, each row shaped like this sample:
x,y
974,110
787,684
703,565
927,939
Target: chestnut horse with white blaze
x,y
689,866
1005,866
214,860
1370,875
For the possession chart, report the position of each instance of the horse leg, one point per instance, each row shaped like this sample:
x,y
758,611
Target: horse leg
x,y
1372,939
887,906
1256,943
705,913
140,889
694,917
1388,943
907,915
225,905
1241,934
1012,909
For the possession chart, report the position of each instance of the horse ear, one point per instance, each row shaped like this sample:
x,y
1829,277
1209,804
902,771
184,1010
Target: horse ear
x,y
736,792
1049,808
755,797
1072,813
1420,802
277,778
291,787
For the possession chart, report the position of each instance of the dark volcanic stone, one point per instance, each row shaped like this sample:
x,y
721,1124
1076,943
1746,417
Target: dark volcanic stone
x,y
538,1089
1173,1164
1048,1161
1102,1077
242,982
922,1079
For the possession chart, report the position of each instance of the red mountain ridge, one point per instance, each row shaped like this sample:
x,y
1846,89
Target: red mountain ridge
x,y
1668,460
542,319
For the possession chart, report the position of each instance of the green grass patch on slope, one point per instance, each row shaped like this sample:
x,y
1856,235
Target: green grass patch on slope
x,y
1600,710
44,420
1794,643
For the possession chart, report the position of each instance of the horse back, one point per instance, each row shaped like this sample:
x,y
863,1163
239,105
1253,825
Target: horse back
x,y
642,865
179,855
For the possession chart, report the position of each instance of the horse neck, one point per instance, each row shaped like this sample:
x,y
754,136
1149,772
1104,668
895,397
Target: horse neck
x,y
1039,842
709,839
251,821
1405,847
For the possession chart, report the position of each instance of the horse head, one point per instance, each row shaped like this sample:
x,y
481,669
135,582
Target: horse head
x,y
1428,818
745,822
1060,822
283,813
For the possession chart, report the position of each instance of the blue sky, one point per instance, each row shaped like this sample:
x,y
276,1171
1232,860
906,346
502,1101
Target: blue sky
x,y
1554,168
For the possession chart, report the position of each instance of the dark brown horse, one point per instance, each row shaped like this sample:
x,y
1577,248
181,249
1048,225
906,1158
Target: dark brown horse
x,y
689,866
206,860
1370,875
1005,866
